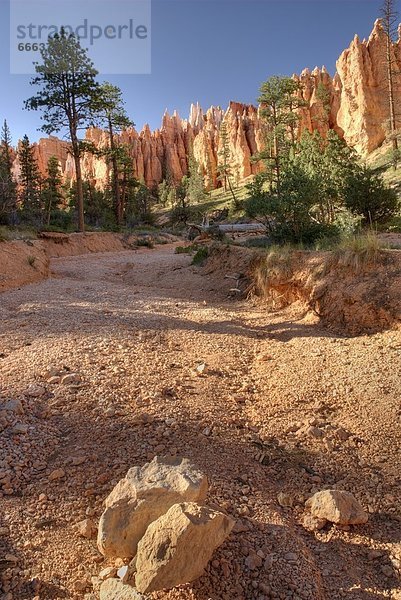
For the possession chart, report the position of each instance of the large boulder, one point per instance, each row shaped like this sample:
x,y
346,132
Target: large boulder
x,y
177,547
114,589
143,496
337,507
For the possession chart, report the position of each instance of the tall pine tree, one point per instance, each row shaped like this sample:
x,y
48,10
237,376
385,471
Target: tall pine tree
x,y
30,182
52,195
280,102
390,22
68,93
224,168
8,195
111,114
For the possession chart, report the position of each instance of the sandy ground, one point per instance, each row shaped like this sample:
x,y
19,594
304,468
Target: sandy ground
x,y
135,325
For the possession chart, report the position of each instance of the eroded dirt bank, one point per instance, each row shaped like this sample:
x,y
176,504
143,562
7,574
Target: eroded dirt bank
x,y
27,261
324,410
343,292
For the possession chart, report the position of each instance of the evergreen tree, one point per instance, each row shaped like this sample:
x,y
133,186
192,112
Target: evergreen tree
x,y
30,182
195,188
389,23
329,161
163,192
287,215
68,95
280,101
366,194
112,116
52,196
224,168
8,195
323,94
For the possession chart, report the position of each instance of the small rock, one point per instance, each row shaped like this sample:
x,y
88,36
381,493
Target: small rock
x,y
108,572
14,406
315,432
253,561
11,558
70,378
35,391
342,434
285,500
20,429
291,557
56,474
80,585
337,507
86,528
201,368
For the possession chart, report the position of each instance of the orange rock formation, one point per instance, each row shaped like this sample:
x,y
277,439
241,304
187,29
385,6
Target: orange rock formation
x,y
353,103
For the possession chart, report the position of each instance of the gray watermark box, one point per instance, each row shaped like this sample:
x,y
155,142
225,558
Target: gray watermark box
x,y
116,33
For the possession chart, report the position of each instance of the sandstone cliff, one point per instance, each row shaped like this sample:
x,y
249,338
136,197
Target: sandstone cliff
x,y
353,103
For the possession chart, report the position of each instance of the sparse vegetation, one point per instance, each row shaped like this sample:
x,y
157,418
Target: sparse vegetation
x,y
357,252
200,256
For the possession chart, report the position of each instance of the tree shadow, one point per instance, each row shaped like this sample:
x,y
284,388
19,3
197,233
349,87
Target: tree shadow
x,y
324,567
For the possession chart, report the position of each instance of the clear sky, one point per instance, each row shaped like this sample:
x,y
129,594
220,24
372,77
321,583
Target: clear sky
x,y
212,52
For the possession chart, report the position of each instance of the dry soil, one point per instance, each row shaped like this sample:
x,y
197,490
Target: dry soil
x,y
281,406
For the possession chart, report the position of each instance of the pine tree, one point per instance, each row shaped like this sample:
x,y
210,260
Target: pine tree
x,y
8,195
68,94
195,188
280,101
224,167
30,182
389,22
111,114
52,195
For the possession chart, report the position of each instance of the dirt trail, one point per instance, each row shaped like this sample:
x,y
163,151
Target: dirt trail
x,y
135,325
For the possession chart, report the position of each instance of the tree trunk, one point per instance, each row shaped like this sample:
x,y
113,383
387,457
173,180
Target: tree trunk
x,y
118,208
393,125
78,174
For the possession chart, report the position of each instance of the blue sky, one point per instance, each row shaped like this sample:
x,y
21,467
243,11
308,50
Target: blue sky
x,y
212,52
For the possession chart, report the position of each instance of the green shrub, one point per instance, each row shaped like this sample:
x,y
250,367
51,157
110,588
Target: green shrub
x,y
145,242
200,256
366,194
186,249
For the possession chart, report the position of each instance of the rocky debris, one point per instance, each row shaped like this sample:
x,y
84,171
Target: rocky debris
x,y
150,332
177,547
26,439
145,494
337,507
114,589
312,523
